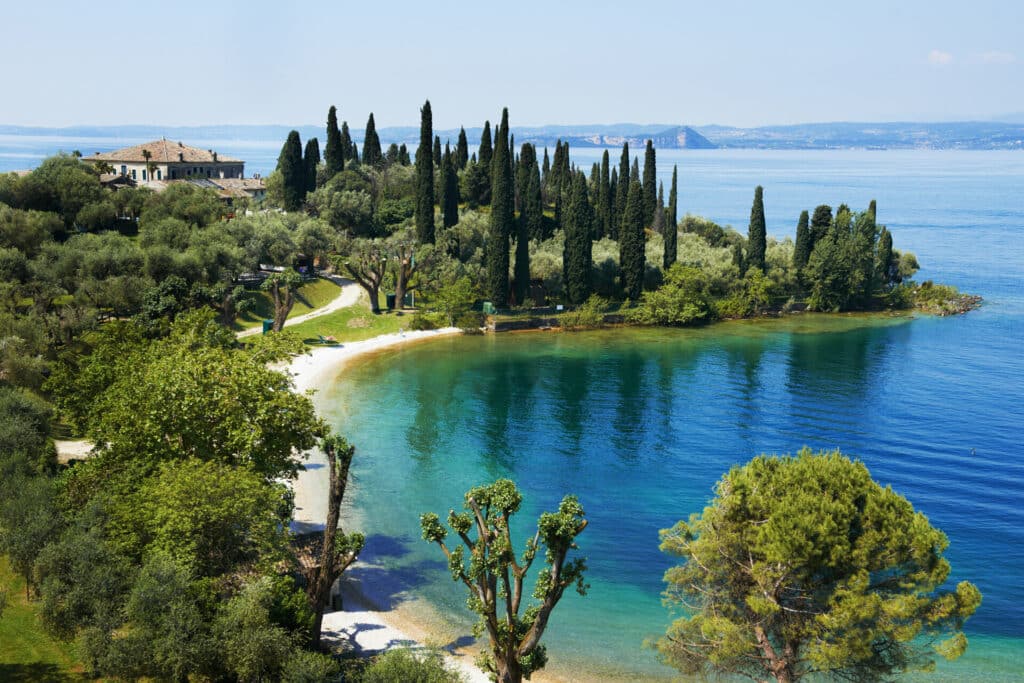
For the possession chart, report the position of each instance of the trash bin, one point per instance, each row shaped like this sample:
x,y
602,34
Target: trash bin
x,y
489,308
268,325
391,301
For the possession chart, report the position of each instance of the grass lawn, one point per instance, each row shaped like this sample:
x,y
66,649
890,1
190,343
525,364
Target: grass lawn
x,y
354,323
27,653
309,297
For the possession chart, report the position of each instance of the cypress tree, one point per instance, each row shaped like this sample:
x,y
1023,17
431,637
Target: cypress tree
x,y
604,198
485,152
450,190
576,254
348,149
671,232
524,167
650,184
873,209
391,156
634,172
311,159
425,178
757,238
886,271
623,189
501,217
546,168
802,247
821,221
371,144
354,154
437,151
533,205
521,279
334,152
631,243
462,149
613,193
658,224
403,155
293,172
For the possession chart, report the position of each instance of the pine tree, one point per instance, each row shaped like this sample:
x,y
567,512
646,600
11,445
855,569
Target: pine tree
x,y
437,151
671,232
802,247
650,184
757,238
334,153
604,199
348,150
371,144
576,255
425,178
293,172
501,217
623,187
631,243
311,159
462,150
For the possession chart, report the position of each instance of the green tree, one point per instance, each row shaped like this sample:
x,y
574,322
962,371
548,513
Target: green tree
x,y
533,204
283,287
757,238
29,518
521,270
577,259
650,184
802,247
254,648
683,299
437,151
367,263
293,173
632,243
425,178
671,232
311,160
372,154
411,666
501,217
450,191
462,150
804,565
486,150
495,576
348,148
622,195
605,200
821,221
334,152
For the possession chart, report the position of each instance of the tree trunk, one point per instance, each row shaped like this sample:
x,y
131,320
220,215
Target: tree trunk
x,y
283,304
326,574
374,293
509,672
401,280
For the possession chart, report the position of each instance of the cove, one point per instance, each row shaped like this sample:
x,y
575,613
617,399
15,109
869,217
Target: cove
x,y
640,424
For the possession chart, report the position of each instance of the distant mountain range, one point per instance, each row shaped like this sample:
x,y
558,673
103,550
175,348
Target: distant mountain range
x,y
1002,134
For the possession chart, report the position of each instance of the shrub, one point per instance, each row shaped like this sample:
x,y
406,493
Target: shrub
x,y
407,666
589,315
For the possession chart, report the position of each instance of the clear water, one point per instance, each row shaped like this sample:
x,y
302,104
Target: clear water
x,y
641,423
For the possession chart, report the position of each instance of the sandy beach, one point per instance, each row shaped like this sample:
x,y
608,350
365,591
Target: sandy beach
x,y
367,623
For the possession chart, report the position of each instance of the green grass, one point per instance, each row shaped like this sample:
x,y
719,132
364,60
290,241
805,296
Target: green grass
x,y
27,653
354,323
309,297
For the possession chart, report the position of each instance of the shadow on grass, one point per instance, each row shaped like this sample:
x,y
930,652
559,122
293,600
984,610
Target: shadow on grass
x,y
36,672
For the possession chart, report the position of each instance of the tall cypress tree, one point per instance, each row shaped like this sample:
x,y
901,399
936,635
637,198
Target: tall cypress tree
x,y
521,274
623,189
501,218
757,238
546,168
671,232
353,155
462,150
821,221
604,198
632,242
437,151
613,193
334,153
802,247
634,172
293,172
533,205
524,166
311,159
450,186
371,144
347,146
886,270
403,155
577,252
650,184
486,151
425,178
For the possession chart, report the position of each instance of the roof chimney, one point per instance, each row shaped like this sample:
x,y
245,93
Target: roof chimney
x,y
181,156
214,157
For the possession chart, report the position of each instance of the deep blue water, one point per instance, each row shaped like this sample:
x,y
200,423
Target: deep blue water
x,y
640,424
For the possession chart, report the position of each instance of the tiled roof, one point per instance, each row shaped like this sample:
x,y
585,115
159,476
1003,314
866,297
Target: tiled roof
x,y
162,151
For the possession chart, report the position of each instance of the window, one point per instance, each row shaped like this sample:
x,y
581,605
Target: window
x,y
159,174
143,174
133,174
124,170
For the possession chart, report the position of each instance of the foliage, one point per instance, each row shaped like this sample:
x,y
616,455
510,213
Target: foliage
x,y
501,218
254,648
494,575
587,316
402,665
671,233
454,299
304,666
683,299
805,565
579,226
425,179
757,240
293,173
631,243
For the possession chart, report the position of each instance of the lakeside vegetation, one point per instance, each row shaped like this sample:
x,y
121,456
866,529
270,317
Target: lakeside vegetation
x,y
167,554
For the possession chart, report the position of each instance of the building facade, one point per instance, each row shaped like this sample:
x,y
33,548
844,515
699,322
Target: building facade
x,y
163,160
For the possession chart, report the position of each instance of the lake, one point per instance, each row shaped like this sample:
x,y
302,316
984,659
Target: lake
x,y
640,424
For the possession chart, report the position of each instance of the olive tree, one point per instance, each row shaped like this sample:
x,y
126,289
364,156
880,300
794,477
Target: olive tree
x,y
494,575
804,565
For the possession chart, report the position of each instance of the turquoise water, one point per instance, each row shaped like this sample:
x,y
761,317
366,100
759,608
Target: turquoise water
x,y
641,423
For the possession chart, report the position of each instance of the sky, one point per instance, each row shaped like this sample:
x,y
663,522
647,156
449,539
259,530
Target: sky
x,y
551,62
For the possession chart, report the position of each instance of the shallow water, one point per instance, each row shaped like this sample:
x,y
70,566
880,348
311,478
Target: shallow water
x,y
641,423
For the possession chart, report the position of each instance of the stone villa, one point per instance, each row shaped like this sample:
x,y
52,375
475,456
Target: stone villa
x,y
167,160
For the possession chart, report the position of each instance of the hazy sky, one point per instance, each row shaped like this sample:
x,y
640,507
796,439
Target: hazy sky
x,y
181,62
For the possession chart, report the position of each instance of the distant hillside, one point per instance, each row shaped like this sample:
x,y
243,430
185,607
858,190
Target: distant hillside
x,y
957,135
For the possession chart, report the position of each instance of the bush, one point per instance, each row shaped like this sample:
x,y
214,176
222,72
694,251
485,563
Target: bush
x,y
589,315
310,667
470,322
407,666
423,321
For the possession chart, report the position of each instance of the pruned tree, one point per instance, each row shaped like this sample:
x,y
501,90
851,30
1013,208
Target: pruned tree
x,y
339,550
494,576
367,263
805,566
282,287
